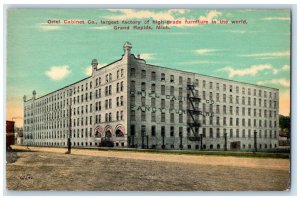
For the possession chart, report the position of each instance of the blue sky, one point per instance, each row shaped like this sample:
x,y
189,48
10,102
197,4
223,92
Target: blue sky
x,y
46,57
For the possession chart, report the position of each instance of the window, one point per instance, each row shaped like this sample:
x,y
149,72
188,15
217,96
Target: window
x,y
153,88
210,132
132,86
153,76
163,78
172,90
218,109
118,87
163,131
180,92
163,117
143,86
224,120
153,116
132,115
121,101
143,74
172,131
224,97
172,78
180,118
204,132
143,101
218,133
172,118
143,115
153,130
132,72
153,100
162,90
163,103
180,80
172,104
121,87
203,83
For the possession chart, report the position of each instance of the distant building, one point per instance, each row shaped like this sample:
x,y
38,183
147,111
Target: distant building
x,y
10,126
138,105
10,132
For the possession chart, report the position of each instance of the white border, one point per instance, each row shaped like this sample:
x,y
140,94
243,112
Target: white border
x,y
178,4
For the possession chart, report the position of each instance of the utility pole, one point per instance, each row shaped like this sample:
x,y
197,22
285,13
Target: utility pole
x,y
180,136
147,142
70,130
201,137
255,141
225,144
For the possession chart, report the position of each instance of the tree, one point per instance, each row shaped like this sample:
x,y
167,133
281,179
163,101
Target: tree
x,y
285,124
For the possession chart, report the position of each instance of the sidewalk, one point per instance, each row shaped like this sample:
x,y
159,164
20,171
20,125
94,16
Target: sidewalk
x,y
261,163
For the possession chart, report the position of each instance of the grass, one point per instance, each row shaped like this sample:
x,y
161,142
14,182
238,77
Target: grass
x,y
214,153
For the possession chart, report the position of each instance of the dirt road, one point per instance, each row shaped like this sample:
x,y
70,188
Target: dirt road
x,y
90,170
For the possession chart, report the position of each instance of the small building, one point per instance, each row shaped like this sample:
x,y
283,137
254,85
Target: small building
x,y
10,133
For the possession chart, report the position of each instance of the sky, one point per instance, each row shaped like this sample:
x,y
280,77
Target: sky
x,y
45,57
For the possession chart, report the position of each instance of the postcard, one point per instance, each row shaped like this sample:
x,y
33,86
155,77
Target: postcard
x,y
150,99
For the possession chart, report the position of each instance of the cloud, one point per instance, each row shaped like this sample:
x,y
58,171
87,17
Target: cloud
x,y
194,62
48,27
285,68
137,14
58,72
146,56
211,15
252,70
277,82
88,70
277,18
205,51
274,54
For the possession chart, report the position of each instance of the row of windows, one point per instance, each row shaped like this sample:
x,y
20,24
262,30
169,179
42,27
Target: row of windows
x,y
204,85
108,77
53,98
250,101
256,122
153,146
211,146
74,144
212,134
